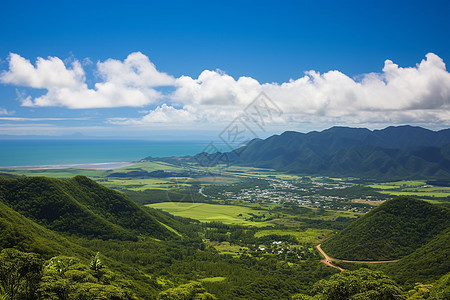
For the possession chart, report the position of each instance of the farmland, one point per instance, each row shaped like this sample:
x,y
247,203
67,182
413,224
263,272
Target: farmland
x,y
204,212
414,188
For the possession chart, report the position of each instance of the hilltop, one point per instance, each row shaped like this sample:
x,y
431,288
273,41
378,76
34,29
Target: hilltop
x,y
392,230
82,207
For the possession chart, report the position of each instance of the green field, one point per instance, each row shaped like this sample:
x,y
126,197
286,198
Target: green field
x,y
411,188
241,171
310,235
227,248
70,172
140,184
213,279
150,167
204,212
398,184
417,193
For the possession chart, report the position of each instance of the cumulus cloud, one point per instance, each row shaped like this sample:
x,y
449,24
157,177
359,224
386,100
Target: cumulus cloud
x,y
161,114
215,88
411,93
127,83
425,86
49,72
420,93
136,70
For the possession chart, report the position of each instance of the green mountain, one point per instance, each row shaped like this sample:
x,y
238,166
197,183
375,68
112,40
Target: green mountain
x,y
16,231
394,152
426,264
82,207
392,230
67,222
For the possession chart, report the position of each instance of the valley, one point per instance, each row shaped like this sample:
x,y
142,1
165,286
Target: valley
x,y
240,213
167,227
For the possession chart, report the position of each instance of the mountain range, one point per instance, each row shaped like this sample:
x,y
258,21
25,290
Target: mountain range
x,y
392,153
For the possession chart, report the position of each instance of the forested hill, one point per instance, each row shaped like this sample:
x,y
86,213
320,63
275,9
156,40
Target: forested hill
x,y
80,206
394,153
427,263
19,232
392,230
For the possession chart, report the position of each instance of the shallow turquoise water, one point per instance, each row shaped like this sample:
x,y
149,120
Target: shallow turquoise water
x,y
55,152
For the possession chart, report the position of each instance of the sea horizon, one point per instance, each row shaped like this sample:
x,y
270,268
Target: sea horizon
x,y
62,153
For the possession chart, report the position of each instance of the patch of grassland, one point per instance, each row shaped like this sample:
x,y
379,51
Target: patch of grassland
x,y
204,212
140,184
227,248
150,166
397,184
418,193
260,206
310,235
70,172
213,180
213,279
443,189
243,169
258,172
415,188
170,228
328,215
367,201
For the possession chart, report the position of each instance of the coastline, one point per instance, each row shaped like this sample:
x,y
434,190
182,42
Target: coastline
x,y
88,166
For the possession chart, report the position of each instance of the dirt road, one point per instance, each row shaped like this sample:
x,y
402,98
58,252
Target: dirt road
x,y
328,260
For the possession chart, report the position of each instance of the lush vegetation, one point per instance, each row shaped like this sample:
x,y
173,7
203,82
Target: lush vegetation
x,y
28,276
392,230
366,284
80,206
359,284
142,266
426,264
207,240
228,214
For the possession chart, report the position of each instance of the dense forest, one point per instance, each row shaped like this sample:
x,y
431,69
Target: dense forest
x,y
75,239
392,230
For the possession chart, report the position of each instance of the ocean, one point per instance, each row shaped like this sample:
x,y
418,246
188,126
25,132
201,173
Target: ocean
x,y
16,153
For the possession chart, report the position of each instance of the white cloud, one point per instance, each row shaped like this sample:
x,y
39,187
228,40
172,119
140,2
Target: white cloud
x,y
49,72
426,86
136,70
128,83
161,114
215,88
413,93
87,62
5,112
394,95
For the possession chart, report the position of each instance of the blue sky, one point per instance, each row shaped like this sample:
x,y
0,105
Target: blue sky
x,y
172,69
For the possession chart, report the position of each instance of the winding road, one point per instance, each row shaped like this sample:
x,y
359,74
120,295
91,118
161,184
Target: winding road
x,y
329,260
